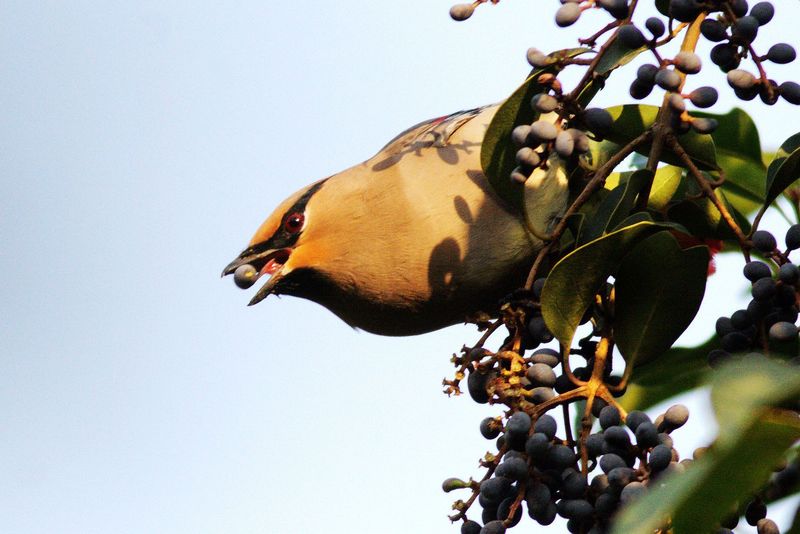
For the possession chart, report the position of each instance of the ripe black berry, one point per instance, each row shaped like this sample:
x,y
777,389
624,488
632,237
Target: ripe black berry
x,y
519,424
547,425
704,97
713,30
561,456
646,435
647,74
724,326
513,467
495,489
630,36
746,29
763,12
739,7
609,416
741,319
598,120
755,511
764,241
490,429
790,91
505,508
660,457
764,289
781,53
476,385
537,445
684,10
616,8
640,90
620,477
724,56
793,237
755,270
789,273
493,527
655,26
470,527
636,418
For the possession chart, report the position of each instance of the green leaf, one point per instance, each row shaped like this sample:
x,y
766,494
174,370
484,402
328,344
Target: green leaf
x,y
782,173
788,146
616,206
795,528
574,280
679,370
703,220
739,155
632,120
752,440
659,288
497,150
617,55
666,185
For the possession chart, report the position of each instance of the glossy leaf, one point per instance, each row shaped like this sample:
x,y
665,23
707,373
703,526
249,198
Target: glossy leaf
x,y
633,119
667,185
738,149
752,440
679,370
616,206
782,173
659,288
787,147
497,150
703,220
616,56
574,280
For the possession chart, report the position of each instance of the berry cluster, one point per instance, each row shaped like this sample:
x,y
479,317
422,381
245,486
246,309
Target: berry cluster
x,y
549,135
536,467
735,30
771,316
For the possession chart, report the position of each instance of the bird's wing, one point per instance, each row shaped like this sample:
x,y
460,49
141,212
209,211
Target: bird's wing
x,y
431,133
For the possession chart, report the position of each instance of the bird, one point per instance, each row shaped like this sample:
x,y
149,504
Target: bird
x,y
411,240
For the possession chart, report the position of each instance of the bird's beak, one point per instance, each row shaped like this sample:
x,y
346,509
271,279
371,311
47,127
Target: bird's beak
x,y
268,262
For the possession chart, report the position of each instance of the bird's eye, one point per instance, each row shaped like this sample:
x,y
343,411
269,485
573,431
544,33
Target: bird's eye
x,y
294,223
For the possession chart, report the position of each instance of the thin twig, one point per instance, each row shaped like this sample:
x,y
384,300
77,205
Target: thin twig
x,y
708,190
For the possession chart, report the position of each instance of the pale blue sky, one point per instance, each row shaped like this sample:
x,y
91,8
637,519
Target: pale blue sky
x,y
141,143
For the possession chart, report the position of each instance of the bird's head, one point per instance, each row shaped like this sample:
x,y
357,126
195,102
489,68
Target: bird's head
x,y
271,249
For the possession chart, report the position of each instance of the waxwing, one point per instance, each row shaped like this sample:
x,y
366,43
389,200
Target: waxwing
x,y
413,239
